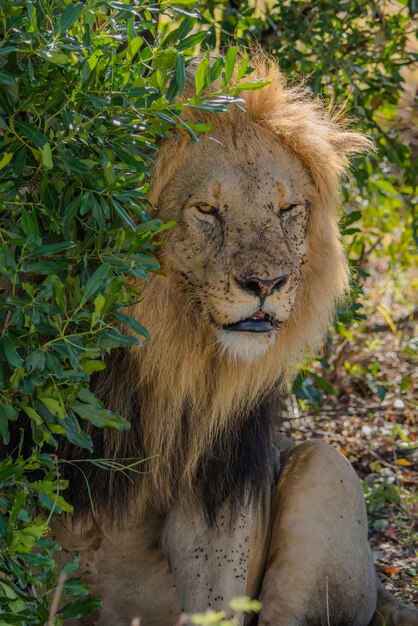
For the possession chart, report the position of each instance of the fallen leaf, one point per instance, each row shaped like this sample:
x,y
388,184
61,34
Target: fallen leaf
x,y
390,532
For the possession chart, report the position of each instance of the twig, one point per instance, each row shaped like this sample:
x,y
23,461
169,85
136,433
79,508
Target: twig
x,y
382,461
56,598
348,411
6,322
402,322
327,600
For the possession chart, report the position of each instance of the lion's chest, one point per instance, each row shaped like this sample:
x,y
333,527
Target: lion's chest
x,y
128,571
159,568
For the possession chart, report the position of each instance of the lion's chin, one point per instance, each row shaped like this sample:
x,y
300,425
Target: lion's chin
x,y
245,346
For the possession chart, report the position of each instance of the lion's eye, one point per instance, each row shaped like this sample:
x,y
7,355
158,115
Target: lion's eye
x,y
288,207
207,209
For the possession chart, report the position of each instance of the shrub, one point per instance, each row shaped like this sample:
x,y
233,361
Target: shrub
x,y
87,93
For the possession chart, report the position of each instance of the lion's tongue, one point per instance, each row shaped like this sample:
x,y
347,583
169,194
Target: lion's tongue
x,y
257,323
258,315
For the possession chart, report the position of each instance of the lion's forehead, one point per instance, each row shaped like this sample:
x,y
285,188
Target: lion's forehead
x,y
221,174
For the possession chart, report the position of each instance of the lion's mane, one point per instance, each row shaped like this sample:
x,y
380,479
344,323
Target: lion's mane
x,y
202,421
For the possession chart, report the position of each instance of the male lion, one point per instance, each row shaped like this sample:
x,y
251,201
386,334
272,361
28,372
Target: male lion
x,y
227,506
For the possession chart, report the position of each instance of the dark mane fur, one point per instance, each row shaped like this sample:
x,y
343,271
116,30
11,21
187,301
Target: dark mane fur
x,y
239,462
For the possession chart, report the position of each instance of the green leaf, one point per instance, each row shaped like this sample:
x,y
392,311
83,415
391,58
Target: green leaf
x,y
324,384
75,435
57,57
386,186
47,267
51,249
201,75
192,41
10,345
99,302
7,49
130,28
7,157
31,132
230,59
242,68
133,47
8,411
79,608
71,567
76,587
6,78
36,360
25,538
92,366
32,414
54,406
33,18
216,69
4,429
350,218
179,33
132,323
30,223
95,281
114,338
123,214
7,414
46,154
253,85
180,73
8,469
70,14
100,417
71,210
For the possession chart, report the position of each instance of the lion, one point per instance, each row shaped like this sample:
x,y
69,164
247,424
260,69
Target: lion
x,y
224,505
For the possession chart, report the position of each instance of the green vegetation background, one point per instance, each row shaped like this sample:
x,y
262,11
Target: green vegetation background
x,y
87,91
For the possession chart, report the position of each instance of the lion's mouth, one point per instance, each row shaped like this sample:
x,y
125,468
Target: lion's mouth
x,y
258,322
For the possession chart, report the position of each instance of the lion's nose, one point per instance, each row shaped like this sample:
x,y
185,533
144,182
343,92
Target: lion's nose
x,y
262,287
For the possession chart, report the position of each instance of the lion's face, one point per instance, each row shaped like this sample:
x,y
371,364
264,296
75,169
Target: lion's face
x,y
242,205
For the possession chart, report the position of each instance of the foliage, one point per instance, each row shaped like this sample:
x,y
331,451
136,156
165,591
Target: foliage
x,y
87,91
84,102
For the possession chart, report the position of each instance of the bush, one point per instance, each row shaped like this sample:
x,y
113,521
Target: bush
x,y
84,102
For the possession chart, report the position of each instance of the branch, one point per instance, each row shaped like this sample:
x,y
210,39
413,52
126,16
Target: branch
x,y
402,322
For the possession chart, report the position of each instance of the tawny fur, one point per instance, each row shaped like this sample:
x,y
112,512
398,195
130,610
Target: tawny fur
x,y
182,368
291,524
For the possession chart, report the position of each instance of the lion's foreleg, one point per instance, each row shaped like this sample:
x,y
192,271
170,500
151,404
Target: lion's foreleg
x,y
209,564
319,568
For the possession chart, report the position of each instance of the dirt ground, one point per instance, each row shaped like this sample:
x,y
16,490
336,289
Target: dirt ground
x,y
380,438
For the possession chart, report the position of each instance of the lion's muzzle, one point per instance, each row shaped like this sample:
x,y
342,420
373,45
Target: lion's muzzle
x,y
262,287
